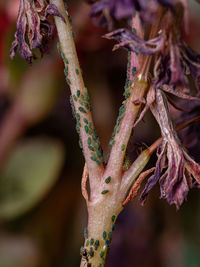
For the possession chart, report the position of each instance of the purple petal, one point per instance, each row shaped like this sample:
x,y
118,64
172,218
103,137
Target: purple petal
x,y
51,9
152,181
132,42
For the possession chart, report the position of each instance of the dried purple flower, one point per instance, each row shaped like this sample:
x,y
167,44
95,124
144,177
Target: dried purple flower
x,y
174,59
32,25
175,170
125,9
175,62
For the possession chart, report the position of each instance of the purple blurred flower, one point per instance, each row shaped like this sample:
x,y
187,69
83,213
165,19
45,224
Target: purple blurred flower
x,y
125,9
175,170
32,25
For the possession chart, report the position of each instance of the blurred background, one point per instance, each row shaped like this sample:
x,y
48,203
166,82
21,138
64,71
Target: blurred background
x,y
42,211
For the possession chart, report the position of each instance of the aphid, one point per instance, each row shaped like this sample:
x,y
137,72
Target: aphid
x,y
85,255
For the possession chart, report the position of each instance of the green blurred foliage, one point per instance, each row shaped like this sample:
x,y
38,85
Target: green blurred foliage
x,y
28,175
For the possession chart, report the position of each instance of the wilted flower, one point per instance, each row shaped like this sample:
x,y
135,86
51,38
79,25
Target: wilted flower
x,y
32,25
174,59
125,9
175,170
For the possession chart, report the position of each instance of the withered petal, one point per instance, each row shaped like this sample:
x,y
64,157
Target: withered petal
x,y
51,9
132,42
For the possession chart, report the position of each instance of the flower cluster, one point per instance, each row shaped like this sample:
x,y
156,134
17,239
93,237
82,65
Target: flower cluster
x,y
174,59
174,64
32,25
175,170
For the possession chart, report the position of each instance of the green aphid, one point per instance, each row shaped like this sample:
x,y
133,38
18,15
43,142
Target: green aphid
x,y
95,145
77,129
78,116
58,47
82,110
93,158
111,142
98,162
104,192
123,147
101,159
82,97
78,92
94,137
80,144
66,71
108,179
67,81
87,243
113,227
66,61
90,131
107,242
73,35
91,241
86,96
80,102
102,254
85,233
122,109
62,55
86,128
72,105
127,95
91,252
87,106
89,141
134,30
113,218
133,71
85,120
96,244
99,154
91,148
90,124
117,128
75,98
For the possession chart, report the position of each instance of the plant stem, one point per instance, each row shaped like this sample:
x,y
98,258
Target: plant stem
x,y
80,98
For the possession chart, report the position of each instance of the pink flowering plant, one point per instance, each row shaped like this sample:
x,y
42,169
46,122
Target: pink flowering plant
x,y
160,64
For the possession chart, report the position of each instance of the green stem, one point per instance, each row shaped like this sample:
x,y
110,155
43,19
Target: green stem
x,y
80,99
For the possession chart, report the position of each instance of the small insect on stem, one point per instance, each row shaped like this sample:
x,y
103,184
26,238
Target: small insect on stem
x,y
85,255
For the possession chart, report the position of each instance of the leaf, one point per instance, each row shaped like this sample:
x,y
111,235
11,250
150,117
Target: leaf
x,y
29,174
